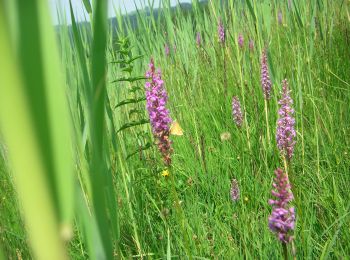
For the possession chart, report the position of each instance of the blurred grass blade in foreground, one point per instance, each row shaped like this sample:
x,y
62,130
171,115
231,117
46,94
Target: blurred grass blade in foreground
x,y
27,137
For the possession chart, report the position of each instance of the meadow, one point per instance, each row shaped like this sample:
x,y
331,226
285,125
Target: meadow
x,y
163,140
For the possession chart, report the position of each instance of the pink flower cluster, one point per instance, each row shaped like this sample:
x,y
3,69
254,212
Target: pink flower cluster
x,y
240,40
160,120
285,133
282,219
234,190
251,44
237,112
198,39
265,77
221,32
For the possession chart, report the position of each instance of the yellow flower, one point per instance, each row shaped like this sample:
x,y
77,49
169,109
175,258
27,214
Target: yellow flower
x,y
246,199
165,173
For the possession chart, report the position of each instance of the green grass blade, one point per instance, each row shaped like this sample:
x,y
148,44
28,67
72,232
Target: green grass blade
x,y
58,119
98,125
87,6
29,170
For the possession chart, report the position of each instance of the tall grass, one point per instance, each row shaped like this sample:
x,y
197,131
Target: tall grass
x,y
78,150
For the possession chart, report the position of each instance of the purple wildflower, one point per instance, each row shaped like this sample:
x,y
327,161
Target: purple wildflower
x,y
285,125
251,44
166,49
280,19
198,39
282,219
160,120
221,32
237,112
234,190
265,77
240,40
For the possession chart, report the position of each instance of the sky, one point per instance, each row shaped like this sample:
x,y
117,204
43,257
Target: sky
x,y
81,15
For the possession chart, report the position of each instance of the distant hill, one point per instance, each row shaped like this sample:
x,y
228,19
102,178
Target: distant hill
x,y
132,17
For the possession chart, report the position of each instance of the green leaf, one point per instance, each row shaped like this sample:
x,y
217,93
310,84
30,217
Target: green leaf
x,y
87,6
251,10
59,120
2,257
127,61
300,23
98,164
131,79
20,132
266,9
133,89
129,101
168,251
128,69
81,56
135,111
88,227
141,148
133,123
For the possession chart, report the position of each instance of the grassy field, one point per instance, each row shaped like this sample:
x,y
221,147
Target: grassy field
x,y
81,176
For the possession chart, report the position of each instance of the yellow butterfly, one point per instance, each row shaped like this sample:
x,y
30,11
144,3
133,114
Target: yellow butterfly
x,y
175,129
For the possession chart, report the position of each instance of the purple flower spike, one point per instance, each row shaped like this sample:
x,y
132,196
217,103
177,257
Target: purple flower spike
x,y
237,112
240,40
198,39
234,190
285,125
280,19
156,97
221,32
282,219
166,49
251,44
265,77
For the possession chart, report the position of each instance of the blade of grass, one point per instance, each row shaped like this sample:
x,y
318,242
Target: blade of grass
x,y
98,165
29,170
58,119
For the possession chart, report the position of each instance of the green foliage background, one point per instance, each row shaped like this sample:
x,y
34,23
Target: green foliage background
x,y
81,176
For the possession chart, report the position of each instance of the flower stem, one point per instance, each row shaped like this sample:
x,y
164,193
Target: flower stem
x,y
294,251
267,124
285,251
225,76
180,215
285,163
